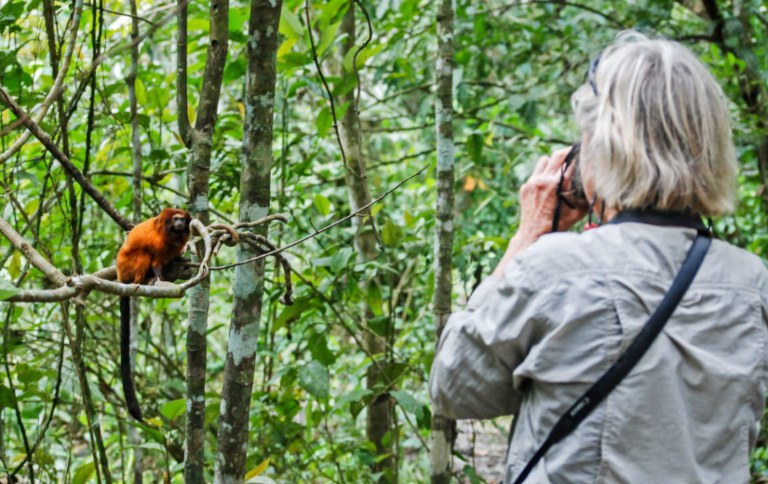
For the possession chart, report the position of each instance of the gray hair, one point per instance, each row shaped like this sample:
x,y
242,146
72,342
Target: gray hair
x,y
658,132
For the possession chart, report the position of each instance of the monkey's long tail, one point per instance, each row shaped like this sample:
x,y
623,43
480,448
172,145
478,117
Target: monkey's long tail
x,y
125,359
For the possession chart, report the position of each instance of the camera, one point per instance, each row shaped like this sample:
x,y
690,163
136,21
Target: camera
x,y
575,197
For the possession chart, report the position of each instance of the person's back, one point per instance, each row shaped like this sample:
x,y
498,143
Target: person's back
x,y
656,156
690,409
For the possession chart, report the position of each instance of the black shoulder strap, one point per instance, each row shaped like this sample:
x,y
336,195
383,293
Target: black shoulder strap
x,y
602,387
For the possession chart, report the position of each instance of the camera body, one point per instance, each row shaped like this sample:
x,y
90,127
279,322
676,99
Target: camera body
x,y
575,197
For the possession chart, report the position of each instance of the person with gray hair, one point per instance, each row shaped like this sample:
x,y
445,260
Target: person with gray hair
x,y
560,309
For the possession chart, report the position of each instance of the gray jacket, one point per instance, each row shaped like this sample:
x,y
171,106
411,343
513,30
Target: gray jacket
x,y
531,342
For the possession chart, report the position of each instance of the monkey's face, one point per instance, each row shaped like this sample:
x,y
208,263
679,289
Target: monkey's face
x,y
180,222
175,222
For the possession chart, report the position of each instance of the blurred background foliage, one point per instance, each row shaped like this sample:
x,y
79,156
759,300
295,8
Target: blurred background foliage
x,y
517,63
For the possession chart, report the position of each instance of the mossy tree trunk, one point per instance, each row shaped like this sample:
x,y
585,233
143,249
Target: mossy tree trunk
x,y
232,440
199,140
443,428
379,416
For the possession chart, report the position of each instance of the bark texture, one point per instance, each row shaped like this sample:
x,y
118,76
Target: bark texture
x,y
443,428
133,435
379,412
232,439
200,144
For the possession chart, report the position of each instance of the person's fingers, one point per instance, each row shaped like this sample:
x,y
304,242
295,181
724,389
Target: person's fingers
x,y
541,166
556,161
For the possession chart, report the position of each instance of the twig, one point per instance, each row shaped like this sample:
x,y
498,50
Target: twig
x,y
123,14
354,60
325,83
98,281
120,48
153,180
277,216
329,226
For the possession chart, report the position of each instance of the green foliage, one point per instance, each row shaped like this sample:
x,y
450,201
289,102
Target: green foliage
x,y
516,65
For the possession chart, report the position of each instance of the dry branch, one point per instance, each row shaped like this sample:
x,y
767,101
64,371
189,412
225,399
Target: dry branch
x,y
98,281
34,257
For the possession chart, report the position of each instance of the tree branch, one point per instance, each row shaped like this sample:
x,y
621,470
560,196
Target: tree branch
x,y
77,285
34,257
327,227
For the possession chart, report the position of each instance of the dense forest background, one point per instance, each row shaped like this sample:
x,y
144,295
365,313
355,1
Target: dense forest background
x,y
314,111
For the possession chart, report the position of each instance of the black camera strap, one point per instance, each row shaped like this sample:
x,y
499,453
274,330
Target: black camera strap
x,y
585,404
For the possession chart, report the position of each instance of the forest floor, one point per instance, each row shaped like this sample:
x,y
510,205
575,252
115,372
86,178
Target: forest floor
x,y
484,444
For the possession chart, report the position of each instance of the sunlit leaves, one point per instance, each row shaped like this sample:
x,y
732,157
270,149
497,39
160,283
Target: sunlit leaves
x,y
7,289
313,377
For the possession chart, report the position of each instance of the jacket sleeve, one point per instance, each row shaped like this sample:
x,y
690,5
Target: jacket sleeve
x,y
480,347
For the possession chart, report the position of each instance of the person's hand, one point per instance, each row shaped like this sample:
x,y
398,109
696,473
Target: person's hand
x,y
538,198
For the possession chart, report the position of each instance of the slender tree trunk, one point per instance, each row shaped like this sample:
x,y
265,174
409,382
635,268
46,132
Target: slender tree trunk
x,y
133,434
232,440
379,418
200,142
443,428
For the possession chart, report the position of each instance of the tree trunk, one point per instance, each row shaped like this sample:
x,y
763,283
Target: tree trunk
x,y
232,439
379,413
133,435
443,428
200,142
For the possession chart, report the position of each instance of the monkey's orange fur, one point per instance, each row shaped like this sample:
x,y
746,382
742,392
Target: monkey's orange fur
x,y
150,246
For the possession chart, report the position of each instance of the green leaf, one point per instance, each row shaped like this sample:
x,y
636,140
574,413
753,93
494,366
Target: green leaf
x,y
391,233
84,473
171,410
322,204
362,57
195,25
353,396
470,472
394,371
318,346
7,289
313,377
340,259
289,24
330,10
28,375
235,69
475,147
141,92
408,402
290,313
326,38
324,122
379,324
152,446
292,60
7,398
